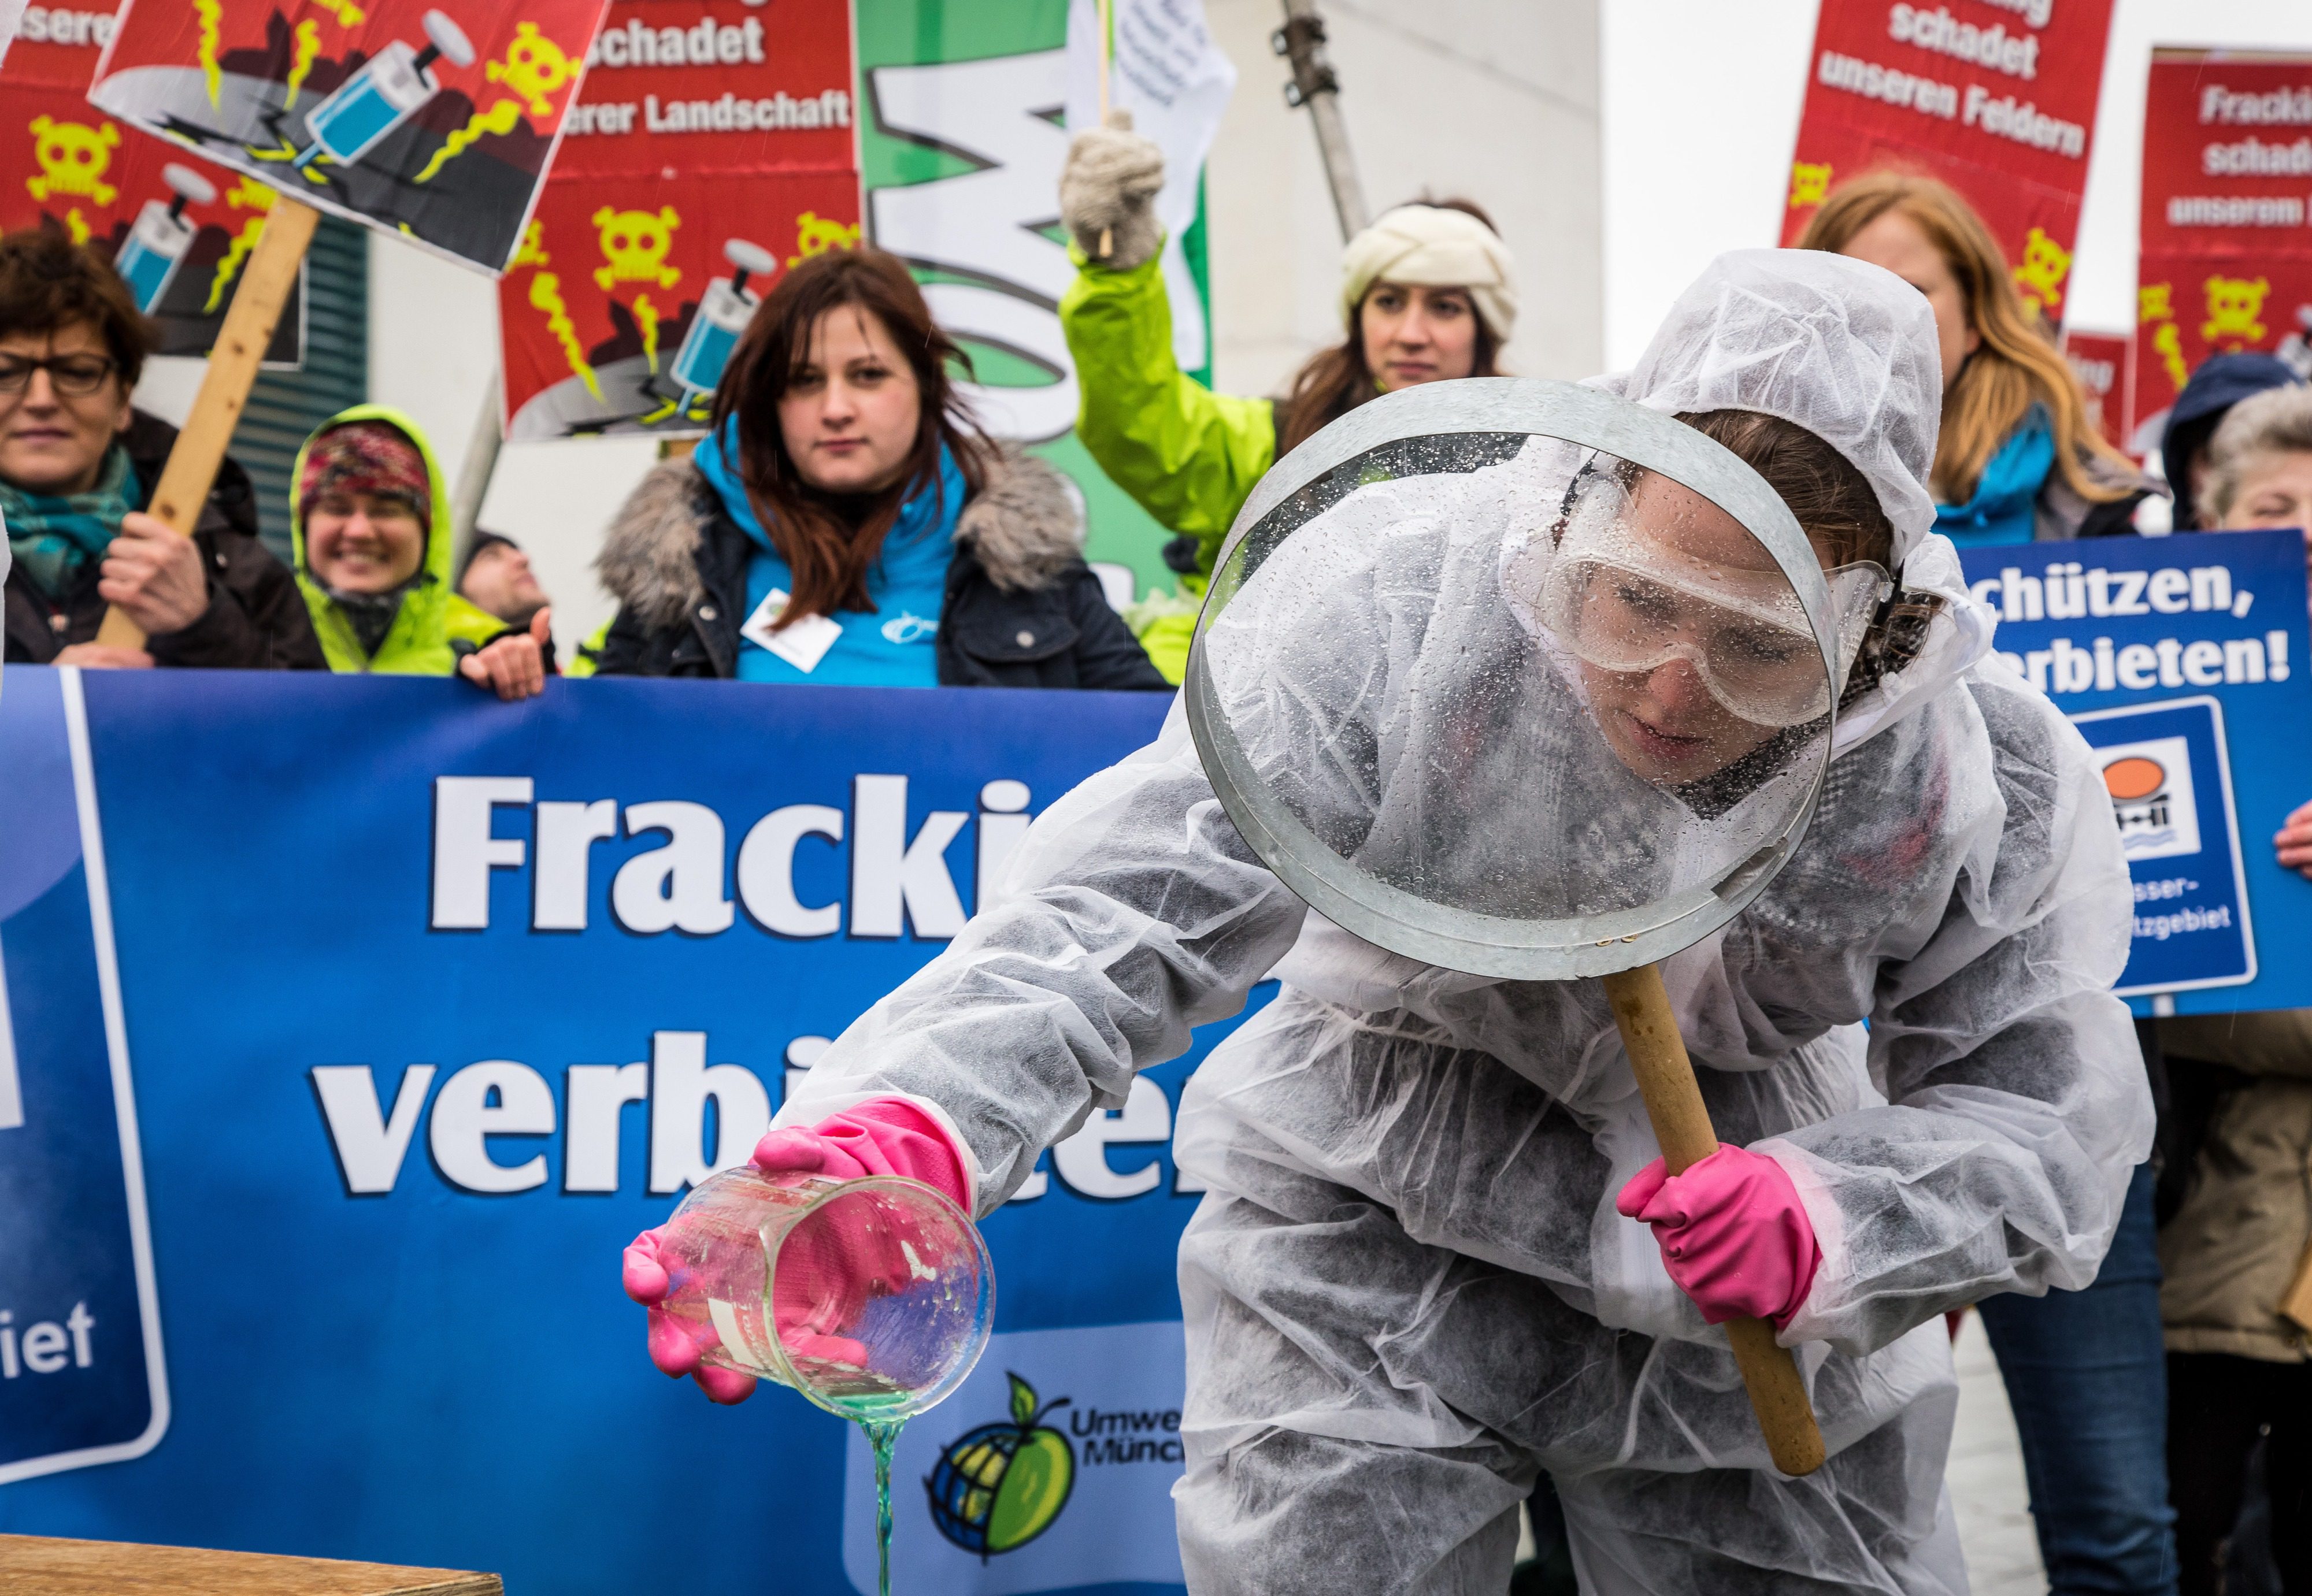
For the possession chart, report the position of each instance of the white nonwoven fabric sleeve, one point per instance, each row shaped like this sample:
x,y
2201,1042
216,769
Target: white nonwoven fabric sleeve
x,y
1131,913
2018,1107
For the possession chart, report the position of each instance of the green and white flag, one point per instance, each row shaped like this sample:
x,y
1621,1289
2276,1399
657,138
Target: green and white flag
x,y
964,132
1164,69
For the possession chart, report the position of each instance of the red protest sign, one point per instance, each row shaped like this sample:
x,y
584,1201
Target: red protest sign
x,y
433,123
2227,220
2101,361
1996,98
708,153
68,168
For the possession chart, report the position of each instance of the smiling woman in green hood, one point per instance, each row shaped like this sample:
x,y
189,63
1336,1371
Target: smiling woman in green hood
x,y
371,526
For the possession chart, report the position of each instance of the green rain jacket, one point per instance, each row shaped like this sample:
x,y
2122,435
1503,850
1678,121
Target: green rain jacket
x,y
435,626
1189,456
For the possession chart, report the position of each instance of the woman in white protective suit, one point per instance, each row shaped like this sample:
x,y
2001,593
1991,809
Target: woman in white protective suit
x,y
1409,1289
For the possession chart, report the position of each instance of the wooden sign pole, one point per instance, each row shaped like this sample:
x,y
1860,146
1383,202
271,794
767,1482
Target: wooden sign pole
x,y
1681,1122
264,289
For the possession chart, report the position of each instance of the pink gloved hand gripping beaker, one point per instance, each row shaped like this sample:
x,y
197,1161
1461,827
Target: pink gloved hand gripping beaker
x,y
872,1297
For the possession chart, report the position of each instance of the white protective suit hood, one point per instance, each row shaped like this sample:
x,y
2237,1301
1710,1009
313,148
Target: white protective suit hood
x,y
1848,351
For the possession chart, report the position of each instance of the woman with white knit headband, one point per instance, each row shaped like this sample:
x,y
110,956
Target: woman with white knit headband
x,y
1427,293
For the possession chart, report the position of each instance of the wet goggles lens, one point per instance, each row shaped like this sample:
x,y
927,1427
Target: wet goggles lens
x,y
1744,634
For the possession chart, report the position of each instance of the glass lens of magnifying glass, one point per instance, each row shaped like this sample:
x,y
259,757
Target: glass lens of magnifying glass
x,y
1516,676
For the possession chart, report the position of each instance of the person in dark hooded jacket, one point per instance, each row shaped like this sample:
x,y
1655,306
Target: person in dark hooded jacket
x,y
78,464
2219,383
844,523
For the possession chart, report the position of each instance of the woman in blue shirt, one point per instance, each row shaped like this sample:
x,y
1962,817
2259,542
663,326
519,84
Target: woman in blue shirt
x,y
847,523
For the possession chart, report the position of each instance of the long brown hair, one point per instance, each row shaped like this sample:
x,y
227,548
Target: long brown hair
x,y
829,541
1336,381
2014,365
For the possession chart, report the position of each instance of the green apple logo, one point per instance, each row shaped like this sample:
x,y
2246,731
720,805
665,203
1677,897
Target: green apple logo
x,y
1000,1487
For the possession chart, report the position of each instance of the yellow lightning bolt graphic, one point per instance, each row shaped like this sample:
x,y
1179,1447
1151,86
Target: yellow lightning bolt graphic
x,y
309,45
499,118
546,294
646,318
76,225
210,13
347,13
243,243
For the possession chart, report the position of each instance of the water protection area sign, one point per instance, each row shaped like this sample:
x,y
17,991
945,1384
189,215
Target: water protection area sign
x,y
2170,780
81,1374
2181,660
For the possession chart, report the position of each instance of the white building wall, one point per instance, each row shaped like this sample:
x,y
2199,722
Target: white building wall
x,y
1496,101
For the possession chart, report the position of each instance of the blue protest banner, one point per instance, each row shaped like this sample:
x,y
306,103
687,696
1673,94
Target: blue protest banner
x,y
2182,662
433,1003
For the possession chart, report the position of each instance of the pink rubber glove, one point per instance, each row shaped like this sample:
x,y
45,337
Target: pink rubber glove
x,y
1732,1233
825,1275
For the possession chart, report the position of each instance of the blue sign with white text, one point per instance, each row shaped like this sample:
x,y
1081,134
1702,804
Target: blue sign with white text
x,y
435,1002
81,1374
2183,661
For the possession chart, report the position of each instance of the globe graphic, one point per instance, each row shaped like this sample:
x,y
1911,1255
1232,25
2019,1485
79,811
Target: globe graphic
x,y
963,1486
1002,1484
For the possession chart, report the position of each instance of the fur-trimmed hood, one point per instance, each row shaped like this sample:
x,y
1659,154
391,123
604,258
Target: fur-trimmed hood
x,y
1025,528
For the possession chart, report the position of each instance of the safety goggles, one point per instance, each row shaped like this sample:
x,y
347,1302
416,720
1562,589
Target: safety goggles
x,y
1630,600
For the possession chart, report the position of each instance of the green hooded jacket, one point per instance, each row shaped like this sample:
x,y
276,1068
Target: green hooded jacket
x,y
434,624
1188,456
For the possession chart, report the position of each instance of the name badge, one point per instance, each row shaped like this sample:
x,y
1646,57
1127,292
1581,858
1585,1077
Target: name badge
x,y
801,645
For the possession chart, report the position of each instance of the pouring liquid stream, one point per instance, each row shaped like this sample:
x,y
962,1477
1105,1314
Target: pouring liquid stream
x,y
866,1407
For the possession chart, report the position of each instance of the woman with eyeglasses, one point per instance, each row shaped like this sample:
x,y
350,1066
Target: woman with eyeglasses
x,y
78,463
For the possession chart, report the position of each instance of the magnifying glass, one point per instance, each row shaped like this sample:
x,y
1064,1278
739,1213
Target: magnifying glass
x,y
1521,679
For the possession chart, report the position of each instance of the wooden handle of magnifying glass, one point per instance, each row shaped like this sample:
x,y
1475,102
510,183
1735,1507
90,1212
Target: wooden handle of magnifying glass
x,y
1673,1099
258,301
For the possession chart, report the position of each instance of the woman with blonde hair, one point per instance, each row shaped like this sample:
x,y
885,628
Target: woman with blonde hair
x,y
2016,462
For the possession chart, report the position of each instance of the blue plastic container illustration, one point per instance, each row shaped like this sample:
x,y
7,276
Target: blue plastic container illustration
x,y
388,88
156,244
722,315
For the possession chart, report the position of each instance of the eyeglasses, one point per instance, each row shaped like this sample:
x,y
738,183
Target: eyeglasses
x,y
72,376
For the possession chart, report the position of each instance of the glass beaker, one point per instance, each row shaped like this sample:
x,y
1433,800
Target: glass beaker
x,y
872,1297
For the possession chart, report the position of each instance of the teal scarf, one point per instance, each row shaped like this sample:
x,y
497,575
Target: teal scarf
x,y
2005,506
892,645
54,539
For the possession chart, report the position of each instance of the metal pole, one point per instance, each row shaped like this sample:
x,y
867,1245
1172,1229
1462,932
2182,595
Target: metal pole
x,y
474,471
1302,41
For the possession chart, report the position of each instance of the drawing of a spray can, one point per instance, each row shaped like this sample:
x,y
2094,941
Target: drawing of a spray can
x,y
722,315
156,246
389,87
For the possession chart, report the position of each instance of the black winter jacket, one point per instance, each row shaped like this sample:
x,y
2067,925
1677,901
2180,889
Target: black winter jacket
x,y
1021,608
255,620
